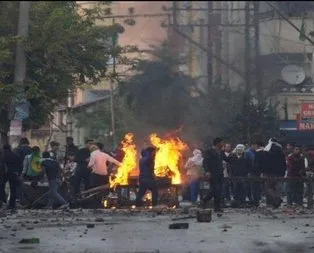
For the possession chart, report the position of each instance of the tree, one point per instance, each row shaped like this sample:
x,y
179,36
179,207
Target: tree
x,y
65,49
158,96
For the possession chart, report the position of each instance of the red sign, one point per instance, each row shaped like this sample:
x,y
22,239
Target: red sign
x,y
307,111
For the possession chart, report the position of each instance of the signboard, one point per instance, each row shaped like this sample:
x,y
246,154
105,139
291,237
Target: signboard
x,y
16,128
307,111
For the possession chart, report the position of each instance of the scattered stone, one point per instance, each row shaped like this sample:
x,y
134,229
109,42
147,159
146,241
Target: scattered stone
x,y
225,230
202,241
179,226
81,236
13,235
307,225
295,228
30,241
304,232
219,215
283,221
30,228
103,239
277,236
99,220
36,222
90,225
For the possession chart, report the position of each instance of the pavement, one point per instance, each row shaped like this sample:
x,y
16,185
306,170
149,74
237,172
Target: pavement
x,y
147,231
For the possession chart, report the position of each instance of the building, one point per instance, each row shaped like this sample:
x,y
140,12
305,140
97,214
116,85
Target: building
x,y
280,61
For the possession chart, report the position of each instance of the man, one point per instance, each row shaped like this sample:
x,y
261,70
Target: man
x,y
275,166
147,179
11,175
54,151
23,150
52,170
289,149
70,147
257,168
240,166
31,167
82,172
213,167
250,154
296,172
194,168
226,184
98,165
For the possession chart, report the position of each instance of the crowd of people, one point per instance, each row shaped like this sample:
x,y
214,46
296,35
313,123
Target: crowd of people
x,y
221,170
226,168
89,165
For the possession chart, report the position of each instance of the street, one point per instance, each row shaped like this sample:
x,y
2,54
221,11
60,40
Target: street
x,y
88,231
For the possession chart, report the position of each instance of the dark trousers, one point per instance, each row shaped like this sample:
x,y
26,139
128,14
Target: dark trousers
x,y
81,174
147,184
272,189
256,192
226,190
98,180
216,191
55,197
14,182
295,191
240,191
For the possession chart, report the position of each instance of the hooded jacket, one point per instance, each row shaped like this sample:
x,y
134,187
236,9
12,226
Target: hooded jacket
x,y
275,160
194,163
52,168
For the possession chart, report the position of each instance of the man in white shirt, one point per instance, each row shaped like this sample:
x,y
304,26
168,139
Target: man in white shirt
x,y
98,165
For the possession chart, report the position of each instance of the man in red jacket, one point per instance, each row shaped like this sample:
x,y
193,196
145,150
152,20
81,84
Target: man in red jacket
x,y
296,172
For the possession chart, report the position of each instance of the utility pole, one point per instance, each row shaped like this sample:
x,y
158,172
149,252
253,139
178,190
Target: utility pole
x,y
18,105
258,71
112,110
209,45
247,64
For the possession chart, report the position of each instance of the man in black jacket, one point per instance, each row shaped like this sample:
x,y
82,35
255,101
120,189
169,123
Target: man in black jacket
x,y
213,167
70,147
275,166
12,167
82,172
147,179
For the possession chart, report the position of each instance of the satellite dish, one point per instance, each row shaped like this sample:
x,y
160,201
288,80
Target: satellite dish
x,y
293,74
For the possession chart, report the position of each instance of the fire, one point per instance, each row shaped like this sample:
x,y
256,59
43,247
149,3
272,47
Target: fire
x,y
129,162
168,157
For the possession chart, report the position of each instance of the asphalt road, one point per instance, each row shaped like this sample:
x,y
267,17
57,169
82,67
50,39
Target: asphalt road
x,y
237,231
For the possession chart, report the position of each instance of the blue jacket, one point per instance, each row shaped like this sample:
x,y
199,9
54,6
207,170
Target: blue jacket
x,y
147,165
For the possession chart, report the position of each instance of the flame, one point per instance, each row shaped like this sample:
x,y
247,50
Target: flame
x,y
105,203
129,162
168,156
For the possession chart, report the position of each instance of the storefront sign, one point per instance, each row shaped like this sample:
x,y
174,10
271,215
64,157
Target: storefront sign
x,y
307,111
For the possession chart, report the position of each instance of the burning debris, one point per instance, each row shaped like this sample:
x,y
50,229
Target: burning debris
x,y
168,157
128,164
167,170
